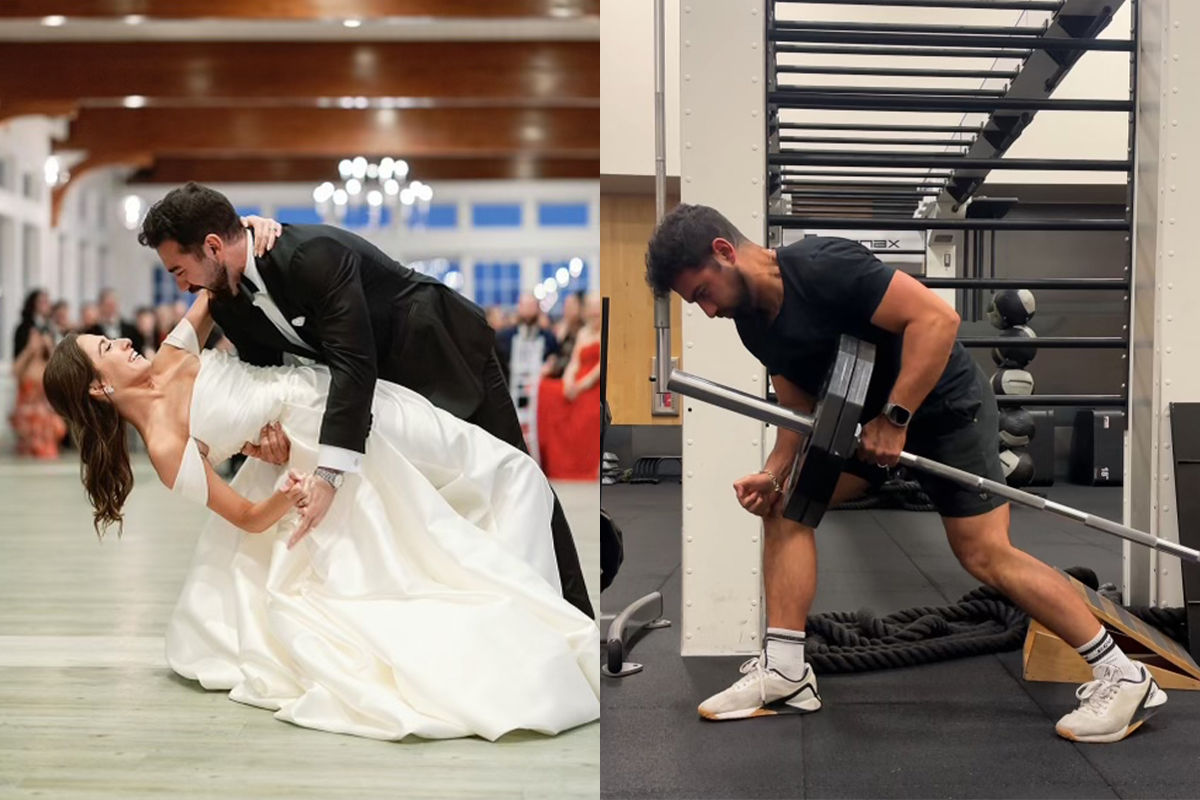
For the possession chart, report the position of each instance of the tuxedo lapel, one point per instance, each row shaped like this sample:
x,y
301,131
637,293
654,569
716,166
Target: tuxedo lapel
x,y
272,268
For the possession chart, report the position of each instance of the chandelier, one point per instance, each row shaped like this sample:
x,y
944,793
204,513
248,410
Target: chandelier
x,y
371,186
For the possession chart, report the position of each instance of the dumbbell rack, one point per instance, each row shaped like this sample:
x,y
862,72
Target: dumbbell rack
x,y
884,176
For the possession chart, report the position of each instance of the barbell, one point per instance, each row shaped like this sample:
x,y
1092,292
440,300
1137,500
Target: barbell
x,y
832,435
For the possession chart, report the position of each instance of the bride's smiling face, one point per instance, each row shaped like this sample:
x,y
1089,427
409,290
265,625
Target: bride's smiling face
x,y
117,362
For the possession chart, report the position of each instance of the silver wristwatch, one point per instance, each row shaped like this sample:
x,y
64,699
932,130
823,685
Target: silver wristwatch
x,y
332,476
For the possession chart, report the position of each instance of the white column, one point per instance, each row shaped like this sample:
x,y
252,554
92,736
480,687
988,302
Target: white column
x,y
723,132
1164,325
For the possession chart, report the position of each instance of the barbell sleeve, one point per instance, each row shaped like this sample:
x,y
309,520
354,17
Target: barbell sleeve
x,y
973,481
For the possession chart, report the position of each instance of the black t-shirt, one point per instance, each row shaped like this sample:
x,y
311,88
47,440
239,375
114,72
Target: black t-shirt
x,y
831,287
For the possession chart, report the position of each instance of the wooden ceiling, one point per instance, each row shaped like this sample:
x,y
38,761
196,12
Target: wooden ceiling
x,y
303,9
223,109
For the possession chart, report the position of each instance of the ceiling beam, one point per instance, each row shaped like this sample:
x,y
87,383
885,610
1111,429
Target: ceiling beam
x,y
299,169
401,133
303,9
279,72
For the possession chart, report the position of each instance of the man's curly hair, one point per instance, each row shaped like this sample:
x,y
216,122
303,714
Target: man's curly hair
x,y
682,242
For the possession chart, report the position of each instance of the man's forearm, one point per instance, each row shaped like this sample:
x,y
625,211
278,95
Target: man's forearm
x,y
927,347
787,444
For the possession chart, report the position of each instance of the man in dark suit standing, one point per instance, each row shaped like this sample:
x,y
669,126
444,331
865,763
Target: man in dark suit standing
x,y
110,324
328,295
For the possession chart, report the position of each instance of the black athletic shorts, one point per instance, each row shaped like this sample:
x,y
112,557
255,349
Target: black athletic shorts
x,y
963,433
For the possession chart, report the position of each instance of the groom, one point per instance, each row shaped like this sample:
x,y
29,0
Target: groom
x,y
328,295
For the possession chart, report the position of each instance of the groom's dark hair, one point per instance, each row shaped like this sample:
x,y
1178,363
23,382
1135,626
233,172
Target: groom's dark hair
x,y
188,214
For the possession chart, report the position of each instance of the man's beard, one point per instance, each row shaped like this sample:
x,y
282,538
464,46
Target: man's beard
x,y
220,286
745,303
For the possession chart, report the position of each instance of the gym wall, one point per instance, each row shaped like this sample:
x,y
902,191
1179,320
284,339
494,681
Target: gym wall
x,y
626,223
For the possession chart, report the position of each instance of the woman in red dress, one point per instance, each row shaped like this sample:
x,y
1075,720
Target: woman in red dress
x,y
569,409
39,430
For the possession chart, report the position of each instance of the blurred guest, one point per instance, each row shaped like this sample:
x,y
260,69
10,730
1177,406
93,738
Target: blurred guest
x,y
35,315
60,320
111,325
147,327
89,317
525,343
523,350
38,429
496,318
565,331
569,409
164,313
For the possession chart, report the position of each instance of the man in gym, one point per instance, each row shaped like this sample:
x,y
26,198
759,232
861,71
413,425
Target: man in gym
x,y
927,395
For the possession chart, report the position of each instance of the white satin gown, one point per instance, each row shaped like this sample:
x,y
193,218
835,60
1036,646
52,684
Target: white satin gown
x,y
427,603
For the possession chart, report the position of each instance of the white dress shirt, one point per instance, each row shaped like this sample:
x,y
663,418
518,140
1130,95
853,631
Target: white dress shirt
x,y
331,457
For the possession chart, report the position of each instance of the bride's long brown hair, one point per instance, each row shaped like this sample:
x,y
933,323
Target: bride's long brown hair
x,y
96,428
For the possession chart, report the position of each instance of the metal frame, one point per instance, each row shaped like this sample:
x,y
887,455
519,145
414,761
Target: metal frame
x,y
1006,5
930,52
922,224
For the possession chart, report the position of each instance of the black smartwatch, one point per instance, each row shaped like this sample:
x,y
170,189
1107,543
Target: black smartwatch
x,y
897,415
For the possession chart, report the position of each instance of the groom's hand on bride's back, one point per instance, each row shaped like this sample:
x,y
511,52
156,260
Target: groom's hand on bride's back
x,y
273,446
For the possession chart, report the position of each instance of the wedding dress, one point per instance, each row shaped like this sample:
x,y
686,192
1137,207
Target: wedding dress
x,y
427,602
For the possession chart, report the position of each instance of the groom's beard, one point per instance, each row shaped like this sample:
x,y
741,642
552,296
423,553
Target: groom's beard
x,y
219,285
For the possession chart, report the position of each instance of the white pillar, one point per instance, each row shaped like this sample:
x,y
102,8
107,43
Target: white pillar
x,y
1164,326
723,132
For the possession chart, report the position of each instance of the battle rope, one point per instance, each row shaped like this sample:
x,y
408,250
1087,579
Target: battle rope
x,y
895,494
983,621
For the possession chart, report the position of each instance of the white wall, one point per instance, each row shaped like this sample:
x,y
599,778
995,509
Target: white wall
x,y
24,210
627,88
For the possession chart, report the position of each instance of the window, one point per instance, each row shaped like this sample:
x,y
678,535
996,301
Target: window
x,y
563,215
498,284
496,215
566,277
438,215
443,269
31,186
166,290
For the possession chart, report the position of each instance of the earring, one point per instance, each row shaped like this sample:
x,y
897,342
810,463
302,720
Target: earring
x,y
108,390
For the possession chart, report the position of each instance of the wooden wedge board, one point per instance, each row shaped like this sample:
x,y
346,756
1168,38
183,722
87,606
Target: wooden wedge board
x,y
1048,658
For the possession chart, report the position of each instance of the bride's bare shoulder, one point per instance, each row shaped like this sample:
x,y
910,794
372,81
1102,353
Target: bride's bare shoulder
x,y
166,453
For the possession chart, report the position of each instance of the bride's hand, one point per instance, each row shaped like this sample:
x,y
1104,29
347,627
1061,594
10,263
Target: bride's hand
x,y
296,487
266,231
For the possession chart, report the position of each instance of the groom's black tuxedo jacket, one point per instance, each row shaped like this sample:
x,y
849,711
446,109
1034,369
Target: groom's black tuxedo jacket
x,y
367,316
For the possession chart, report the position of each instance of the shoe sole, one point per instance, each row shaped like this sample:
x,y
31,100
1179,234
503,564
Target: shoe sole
x,y
774,709
1145,712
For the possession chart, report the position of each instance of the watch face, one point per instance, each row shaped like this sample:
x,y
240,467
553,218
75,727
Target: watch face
x,y
899,415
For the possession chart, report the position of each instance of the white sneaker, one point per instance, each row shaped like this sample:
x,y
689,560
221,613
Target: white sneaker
x,y
763,692
1111,707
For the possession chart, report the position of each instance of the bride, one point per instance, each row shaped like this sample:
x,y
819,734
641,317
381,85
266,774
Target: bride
x,y
427,602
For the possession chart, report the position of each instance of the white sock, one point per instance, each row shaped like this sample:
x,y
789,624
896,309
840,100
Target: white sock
x,y
785,652
1103,650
